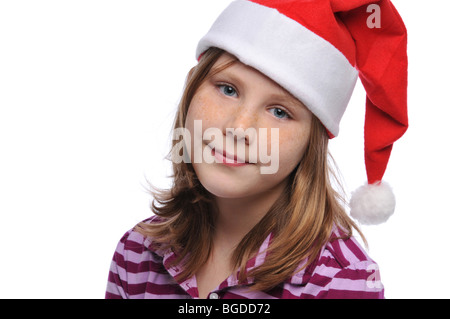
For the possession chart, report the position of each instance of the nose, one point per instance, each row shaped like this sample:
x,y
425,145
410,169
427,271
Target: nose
x,y
242,126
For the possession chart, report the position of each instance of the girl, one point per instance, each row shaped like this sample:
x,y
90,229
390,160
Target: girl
x,y
273,77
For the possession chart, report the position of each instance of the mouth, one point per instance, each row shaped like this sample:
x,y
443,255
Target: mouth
x,y
228,159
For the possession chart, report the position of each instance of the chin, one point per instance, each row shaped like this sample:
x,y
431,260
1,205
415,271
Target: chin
x,y
225,185
225,189
235,183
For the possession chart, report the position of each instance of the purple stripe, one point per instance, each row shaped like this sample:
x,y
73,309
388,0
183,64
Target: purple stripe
x,y
356,249
349,294
157,289
144,266
353,274
337,253
109,295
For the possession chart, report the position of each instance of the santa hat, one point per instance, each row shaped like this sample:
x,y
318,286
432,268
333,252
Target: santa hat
x,y
316,50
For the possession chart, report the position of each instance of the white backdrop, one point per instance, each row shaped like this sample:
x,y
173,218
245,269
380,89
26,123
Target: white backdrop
x,y
88,91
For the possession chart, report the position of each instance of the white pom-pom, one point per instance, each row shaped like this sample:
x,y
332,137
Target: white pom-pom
x,y
372,204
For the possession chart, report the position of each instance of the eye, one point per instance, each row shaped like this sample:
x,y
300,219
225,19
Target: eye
x,y
279,113
227,90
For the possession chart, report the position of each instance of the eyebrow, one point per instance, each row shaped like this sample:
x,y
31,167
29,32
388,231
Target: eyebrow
x,y
222,67
228,76
287,98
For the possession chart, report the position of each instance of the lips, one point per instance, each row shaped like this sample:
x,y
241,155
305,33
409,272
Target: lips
x,y
224,158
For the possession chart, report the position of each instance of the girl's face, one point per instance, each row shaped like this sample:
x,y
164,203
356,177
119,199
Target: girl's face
x,y
245,109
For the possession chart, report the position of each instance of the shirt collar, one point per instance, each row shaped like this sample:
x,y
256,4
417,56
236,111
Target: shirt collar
x,y
300,277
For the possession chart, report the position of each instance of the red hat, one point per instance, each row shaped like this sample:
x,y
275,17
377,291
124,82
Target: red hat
x,y
316,49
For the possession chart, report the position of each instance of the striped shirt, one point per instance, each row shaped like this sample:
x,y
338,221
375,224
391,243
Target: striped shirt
x,y
342,270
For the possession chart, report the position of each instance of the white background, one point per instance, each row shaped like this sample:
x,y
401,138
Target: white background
x,y
88,91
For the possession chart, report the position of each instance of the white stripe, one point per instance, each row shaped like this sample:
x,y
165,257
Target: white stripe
x,y
313,290
305,64
347,284
136,258
348,253
326,270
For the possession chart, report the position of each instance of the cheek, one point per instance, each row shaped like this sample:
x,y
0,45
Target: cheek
x,y
204,107
203,113
198,111
292,146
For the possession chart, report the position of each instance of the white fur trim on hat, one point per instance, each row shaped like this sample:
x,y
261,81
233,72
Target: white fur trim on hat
x,y
372,204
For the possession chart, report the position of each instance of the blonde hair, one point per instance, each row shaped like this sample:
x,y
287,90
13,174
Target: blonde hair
x,y
301,221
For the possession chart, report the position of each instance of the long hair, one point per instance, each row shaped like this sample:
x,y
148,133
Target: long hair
x,y
300,222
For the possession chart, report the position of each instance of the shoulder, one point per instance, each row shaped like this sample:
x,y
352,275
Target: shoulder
x,y
342,270
344,252
135,242
134,262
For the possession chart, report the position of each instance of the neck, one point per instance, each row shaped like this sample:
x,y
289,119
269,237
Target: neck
x,y
237,216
